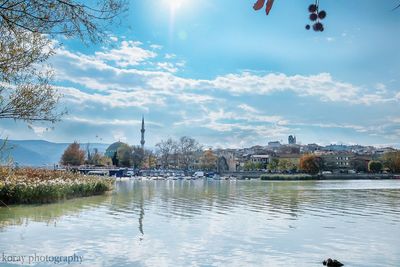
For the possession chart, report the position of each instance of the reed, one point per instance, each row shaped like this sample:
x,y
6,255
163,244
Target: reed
x,y
28,186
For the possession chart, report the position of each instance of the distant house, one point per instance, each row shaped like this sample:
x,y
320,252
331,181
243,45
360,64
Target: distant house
x,y
264,159
274,144
338,160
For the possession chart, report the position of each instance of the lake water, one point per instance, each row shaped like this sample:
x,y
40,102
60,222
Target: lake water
x,y
213,223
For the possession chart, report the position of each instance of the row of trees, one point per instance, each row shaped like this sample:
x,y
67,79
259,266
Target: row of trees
x,y
180,154
183,153
75,156
125,156
134,156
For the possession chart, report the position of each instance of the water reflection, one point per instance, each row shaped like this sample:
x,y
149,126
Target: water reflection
x,y
49,213
214,223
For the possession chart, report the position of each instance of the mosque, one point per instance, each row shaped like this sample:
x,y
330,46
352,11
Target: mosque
x,y
113,148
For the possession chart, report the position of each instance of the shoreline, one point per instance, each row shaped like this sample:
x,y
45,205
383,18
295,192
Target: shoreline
x,y
29,186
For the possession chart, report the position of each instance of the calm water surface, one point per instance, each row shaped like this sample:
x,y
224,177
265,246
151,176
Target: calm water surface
x,y
215,223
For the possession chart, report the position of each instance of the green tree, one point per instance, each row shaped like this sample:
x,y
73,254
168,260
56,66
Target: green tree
x,y
311,164
250,166
73,155
124,155
375,166
26,31
286,165
273,164
391,160
359,165
259,166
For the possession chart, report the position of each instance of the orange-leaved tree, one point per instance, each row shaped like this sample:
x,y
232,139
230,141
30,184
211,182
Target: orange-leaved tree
x,y
73,155
311,164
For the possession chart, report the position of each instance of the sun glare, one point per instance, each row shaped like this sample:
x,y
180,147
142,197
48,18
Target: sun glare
x,y
175,5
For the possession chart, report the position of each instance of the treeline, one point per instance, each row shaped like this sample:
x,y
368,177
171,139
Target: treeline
x,y
389,162
184,153
125,156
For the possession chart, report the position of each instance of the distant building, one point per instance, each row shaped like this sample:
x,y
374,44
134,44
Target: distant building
x,y
274,144
292,140
260,159
113,148
338,160
310,148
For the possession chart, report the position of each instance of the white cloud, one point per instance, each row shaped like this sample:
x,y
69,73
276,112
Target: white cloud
x,y
128,54
138,98
38,130
246,107
170,67
94,73
114,122
169,56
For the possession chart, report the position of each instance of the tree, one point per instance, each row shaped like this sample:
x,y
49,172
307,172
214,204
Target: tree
x,y
26,32
187,149
73,155
97,159
375,166
249,166
391,160
114,159
165,151
273,165
286,165
208,160
359,165
137,156
150,160
311,164
124,155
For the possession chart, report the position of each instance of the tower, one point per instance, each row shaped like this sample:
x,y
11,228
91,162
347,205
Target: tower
x,y
142,132
292,140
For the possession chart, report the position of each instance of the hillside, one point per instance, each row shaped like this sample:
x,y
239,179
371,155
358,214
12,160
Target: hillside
x,y
37,153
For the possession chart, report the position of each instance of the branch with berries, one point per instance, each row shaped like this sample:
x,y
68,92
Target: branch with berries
x,y
316,14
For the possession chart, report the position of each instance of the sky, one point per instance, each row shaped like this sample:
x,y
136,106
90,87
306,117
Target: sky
x,y
228,76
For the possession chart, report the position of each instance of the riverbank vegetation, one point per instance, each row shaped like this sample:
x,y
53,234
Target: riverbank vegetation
x,y
28,186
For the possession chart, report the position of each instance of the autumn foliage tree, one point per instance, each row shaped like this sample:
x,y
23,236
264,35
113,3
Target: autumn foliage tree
x,y
311,164
73,155
208,160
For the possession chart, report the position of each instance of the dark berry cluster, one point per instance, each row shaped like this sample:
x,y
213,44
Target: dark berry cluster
x,y
316,16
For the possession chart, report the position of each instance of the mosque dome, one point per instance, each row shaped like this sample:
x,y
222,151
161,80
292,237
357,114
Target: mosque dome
x,y
110,151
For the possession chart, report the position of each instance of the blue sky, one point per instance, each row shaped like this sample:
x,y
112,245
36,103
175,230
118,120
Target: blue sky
x,y
232,77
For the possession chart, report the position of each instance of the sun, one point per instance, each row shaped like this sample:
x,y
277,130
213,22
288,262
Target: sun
x,y
175,5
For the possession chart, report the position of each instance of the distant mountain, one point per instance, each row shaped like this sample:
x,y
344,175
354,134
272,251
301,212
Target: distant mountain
x,y
41,153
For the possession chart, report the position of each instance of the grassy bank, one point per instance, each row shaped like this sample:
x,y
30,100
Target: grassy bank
x,y
28,186
289,177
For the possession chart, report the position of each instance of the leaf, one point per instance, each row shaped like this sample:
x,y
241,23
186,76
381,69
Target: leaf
x,y
269,6
259,4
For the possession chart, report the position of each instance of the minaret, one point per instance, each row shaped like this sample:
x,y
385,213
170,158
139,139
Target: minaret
x,y
142,131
